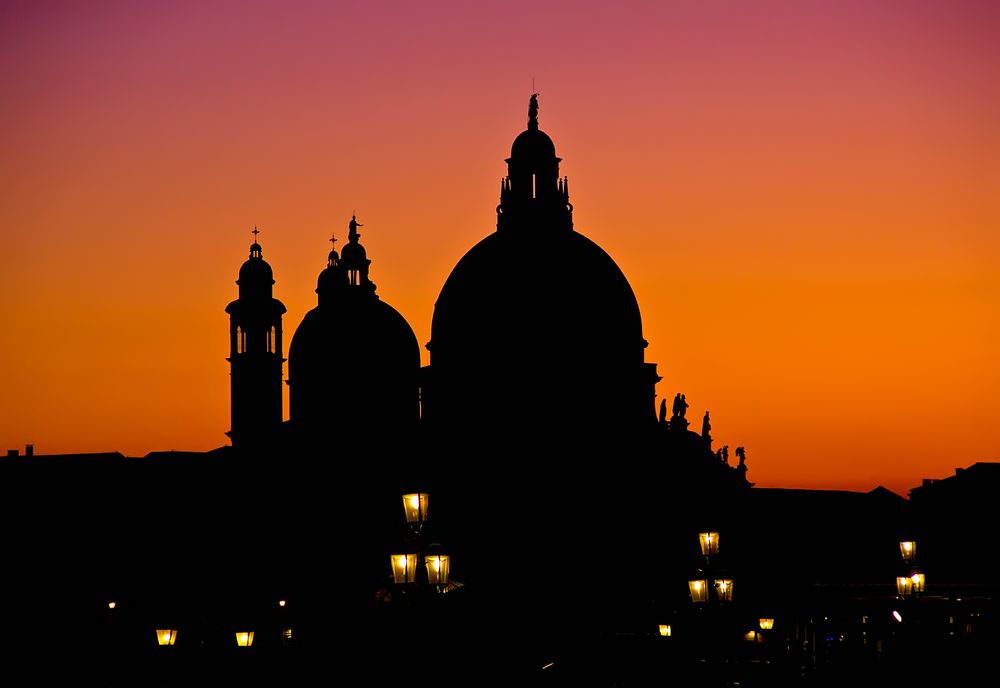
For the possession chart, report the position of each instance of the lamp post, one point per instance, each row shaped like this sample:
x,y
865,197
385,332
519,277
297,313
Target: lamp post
x,y
711,591
711,584
406,565
911,583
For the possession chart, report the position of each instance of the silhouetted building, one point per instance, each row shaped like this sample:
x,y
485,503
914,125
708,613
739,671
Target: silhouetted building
x,y
255,355
354,360
537,330
568,506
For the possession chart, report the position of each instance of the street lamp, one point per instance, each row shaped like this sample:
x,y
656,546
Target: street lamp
x,y
438,568
166,636
709,578
913,582
699,590
904,586
724,589
244,638
709,543
415,506
665,630
404,568
436,564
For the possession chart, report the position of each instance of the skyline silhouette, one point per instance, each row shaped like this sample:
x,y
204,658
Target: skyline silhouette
x,y
802,200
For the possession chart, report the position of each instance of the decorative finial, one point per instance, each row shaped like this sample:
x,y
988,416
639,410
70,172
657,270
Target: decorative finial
x,y
333,241
533,111
255,232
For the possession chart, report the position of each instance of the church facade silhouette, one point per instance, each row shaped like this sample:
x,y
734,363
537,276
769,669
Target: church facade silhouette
x,y
566,503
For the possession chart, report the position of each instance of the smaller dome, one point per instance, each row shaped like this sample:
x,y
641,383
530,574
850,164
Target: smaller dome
x,y
330,281
255,270
532,144
256,276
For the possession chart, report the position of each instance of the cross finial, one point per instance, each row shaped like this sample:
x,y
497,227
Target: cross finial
x,y
333,241
255,232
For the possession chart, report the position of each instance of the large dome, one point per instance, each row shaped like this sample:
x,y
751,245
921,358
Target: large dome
x,y
561,291
537,327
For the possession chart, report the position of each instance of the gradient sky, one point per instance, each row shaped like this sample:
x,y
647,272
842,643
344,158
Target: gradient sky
x,y
804,195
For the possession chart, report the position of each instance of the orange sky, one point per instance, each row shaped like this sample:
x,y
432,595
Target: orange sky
x,y
804,197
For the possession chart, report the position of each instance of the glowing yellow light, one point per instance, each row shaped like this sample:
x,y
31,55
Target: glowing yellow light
x,y
112,605
415,507
437,563
281,603
766,624
665,630
404,567
709,543
244,638
699,590
166,636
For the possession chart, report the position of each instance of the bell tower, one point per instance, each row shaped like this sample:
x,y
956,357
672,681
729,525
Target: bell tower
x,y
255,358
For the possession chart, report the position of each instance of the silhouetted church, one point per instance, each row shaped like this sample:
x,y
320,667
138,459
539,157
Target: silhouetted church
x,y
567,505
536,332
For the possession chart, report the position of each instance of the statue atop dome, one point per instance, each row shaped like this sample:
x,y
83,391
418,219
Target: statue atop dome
x,y
352,229
354,258
533,111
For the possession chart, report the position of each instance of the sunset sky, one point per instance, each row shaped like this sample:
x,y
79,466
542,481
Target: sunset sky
x,y
805,197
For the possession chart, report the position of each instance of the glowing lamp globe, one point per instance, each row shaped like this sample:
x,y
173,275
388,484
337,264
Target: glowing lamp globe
x,y
404,568
709,543
699,590
415,507
166,636
438,568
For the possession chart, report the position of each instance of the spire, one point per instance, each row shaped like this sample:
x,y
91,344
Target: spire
x,y
333,259
533,112
255,250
